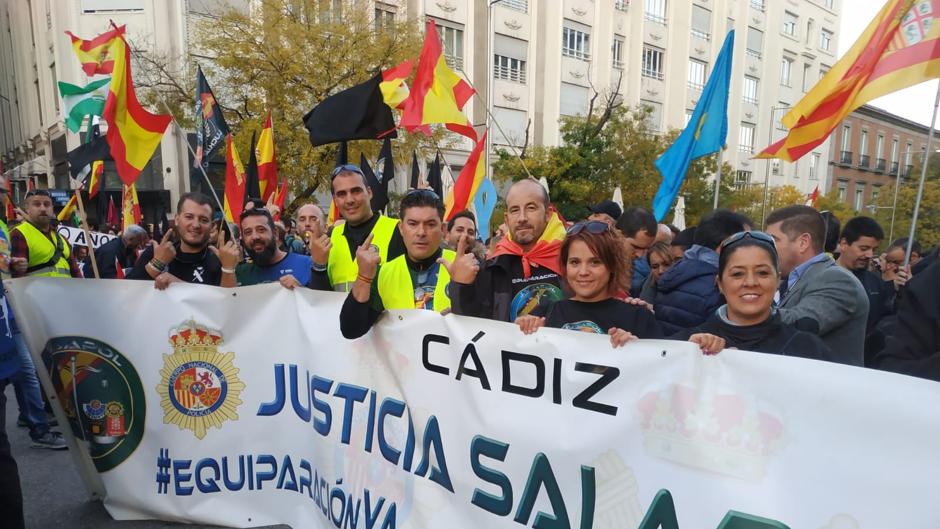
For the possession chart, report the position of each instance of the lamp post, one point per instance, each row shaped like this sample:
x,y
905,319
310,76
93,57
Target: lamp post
x,y
770,136
490,85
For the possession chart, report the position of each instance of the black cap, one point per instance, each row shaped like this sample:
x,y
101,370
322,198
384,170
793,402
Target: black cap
x,y
608,207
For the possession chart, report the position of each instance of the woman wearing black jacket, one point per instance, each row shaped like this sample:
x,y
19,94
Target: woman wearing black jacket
x,y
748,277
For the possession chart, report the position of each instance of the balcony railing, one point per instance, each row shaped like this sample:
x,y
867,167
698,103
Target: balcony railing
x,y
880,165
749,99
518,5
846,158
753,53
655,19
864,161
509,74
758,5
652,73
704,35
696,86
894,168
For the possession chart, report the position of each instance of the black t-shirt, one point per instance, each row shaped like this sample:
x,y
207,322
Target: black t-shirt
x,y
201,268
541,288
600,316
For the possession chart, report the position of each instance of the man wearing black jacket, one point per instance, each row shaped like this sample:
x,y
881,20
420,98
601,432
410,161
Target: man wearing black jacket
x,y
914,349
524,271
117,252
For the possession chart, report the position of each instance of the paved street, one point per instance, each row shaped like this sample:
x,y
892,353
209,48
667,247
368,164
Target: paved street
x,y
53,493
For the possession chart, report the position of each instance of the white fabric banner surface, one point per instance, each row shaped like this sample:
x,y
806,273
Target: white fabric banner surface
x,y
77,236
247,407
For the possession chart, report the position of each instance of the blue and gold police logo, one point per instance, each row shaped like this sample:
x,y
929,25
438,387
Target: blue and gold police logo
x,y
101,394
199,386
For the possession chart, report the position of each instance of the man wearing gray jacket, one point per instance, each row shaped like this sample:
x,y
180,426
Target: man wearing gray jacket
x,y
816,294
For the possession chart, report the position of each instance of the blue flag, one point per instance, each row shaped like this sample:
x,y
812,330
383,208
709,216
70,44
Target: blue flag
x,y
705,134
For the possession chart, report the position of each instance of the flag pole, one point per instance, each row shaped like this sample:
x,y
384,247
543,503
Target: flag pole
x,y
923,177
721,153
91,247
770,140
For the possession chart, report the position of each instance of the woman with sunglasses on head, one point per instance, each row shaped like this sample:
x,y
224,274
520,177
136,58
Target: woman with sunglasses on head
x,y
748,277
594,269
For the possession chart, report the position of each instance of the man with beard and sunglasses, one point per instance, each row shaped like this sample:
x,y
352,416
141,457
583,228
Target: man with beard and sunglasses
x,y
269,262
189,260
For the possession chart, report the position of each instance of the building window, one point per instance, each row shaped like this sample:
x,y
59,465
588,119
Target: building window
x,y
513,123
894,156
509,69
518,5
814,166
575,41
807,81
823,72
746,138
879,152
452,42
859,196
786,69
701,22
656,11
616,52
825,39
697,74
875,193
781,105
384,17
742,178
828,4
755,42
331,11
775,167
758,5
100,6
809,32
908,154
863,143
574,100
789,24
750,89
652,63
843,191
654,117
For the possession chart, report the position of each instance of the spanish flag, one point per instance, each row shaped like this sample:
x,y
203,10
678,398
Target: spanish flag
x,y
393,86
133,132
96,55
94,179
438,94
267,165
898,49
333,215
69,211
130,207
280,198
468,182
234,182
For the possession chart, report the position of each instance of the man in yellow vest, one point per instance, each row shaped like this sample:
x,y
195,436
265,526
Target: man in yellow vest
x,y
334,264
46,252
415,280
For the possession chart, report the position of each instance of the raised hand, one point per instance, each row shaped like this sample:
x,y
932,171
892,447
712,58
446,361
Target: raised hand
x,y
165,252
367,259
164,280
465,267
229,253
708,343
528,324
319,245
902,276
289,282
618,337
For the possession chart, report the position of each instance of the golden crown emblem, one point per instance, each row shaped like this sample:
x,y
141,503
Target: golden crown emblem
x,y
190,337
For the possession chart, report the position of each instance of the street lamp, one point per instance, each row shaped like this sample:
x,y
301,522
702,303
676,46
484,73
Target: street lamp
x,y
770,137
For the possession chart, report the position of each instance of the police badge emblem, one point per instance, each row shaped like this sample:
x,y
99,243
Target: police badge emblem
x,y
199,385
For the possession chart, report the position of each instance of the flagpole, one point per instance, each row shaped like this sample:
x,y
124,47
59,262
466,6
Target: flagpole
x,y
91,247
897,186
721,153
770,140
923,177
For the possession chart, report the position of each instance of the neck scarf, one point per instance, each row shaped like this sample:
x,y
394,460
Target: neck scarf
x,y
545,252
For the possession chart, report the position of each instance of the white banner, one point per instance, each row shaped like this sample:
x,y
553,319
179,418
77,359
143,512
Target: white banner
x,y
77,236
247,407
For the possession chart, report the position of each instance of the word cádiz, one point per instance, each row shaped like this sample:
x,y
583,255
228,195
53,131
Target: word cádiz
x,y
310,401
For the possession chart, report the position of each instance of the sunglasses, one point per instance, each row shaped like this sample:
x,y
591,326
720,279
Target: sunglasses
x,y
758,236
252,211
347,168
592,226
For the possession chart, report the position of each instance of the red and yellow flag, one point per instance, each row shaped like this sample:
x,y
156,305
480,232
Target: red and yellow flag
x,y
94,179
468,182
280,198
333,215
96,54
68,210
133,132
898,49
438,94
394,89
234,182
130,207
267,164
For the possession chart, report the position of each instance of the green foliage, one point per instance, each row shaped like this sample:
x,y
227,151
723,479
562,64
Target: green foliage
x,y
928,218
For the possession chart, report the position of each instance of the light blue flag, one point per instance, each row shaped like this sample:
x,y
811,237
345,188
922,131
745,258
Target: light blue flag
x,y
705,134
484,204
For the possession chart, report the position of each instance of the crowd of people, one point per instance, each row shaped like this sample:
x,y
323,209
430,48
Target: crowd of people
x,y
800,285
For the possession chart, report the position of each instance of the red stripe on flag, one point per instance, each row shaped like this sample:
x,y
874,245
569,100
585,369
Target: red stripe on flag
x,y
88,45
398,72
424,77
921,52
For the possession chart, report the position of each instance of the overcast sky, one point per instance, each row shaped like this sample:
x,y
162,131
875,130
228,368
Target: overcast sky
x,y
914,103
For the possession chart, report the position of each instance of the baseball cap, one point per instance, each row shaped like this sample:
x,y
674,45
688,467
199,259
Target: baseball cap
x,y
608,207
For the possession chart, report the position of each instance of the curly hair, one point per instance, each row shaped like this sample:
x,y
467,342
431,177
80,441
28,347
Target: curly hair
x,y
608,246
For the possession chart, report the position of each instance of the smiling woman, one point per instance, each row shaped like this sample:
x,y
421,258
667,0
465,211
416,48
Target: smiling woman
x,y
748,277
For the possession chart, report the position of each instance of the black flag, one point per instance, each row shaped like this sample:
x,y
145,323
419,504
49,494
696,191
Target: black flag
x,y
385,164
81,158
379,196
434,176
357,113
342,154
252,184
211,128
415,171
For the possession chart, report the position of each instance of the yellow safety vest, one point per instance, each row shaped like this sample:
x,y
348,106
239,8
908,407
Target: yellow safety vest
x,y
398,292
41,250
341,266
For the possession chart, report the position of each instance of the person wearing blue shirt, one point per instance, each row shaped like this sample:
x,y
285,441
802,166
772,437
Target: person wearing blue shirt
x,y
11,495
269,263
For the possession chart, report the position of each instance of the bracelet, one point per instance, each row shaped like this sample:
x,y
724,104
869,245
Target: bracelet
x,y
228,270
157,265
318,268
364,279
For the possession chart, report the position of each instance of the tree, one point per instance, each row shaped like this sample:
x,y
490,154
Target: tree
x,y
284,57
928,218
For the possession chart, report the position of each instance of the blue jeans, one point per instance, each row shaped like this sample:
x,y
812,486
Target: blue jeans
x,y
28,392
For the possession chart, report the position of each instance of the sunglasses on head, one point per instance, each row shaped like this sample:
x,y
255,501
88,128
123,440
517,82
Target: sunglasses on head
x,y
592,226
758,236
247,212
347,168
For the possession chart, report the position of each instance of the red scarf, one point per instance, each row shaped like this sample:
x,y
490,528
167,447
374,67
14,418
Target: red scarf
x,y
544,253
